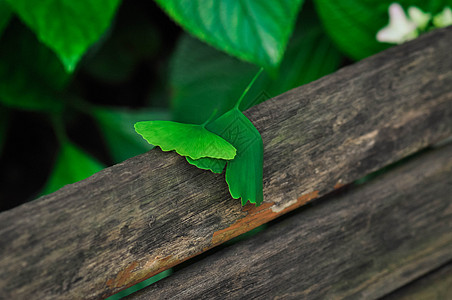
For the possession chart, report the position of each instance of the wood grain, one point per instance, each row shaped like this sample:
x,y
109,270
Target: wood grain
x,y
135,219
362,244
436,285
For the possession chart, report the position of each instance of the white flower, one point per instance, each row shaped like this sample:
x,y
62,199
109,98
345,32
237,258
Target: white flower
x,y
419,17
400,28
444,18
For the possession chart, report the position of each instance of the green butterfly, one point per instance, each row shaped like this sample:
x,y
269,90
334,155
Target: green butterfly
x,y
230,140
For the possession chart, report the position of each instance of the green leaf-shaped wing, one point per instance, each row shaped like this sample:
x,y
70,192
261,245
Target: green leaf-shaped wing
x,y
68,27
215,165
190,140
244,173
252,30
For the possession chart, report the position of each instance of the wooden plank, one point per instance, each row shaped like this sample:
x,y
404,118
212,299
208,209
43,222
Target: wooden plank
x,y
361,244
436,285
133,220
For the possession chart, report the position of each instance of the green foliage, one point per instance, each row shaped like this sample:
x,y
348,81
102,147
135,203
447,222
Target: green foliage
x,y
31,77
133,61
133,40
5,15
117,128
203,79
72,165
255,31
353,24
190,140
244,173
68,27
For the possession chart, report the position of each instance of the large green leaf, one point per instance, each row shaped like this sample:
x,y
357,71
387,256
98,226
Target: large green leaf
x,y
5,15
203,79
116,125
353,24
31,77
68,27
252,30
72,165
244,173
134,38
190,140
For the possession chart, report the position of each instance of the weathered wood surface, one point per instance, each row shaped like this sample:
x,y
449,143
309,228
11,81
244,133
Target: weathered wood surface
x,y
434,286
133,220
361,244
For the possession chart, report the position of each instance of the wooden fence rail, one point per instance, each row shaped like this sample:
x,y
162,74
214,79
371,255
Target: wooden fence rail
x,y
361,244
133,220
435,285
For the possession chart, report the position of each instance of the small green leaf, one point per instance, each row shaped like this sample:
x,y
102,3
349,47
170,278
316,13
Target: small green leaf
x,y
31,77
255,31
68,27
117,128
190,140
5,15
206,163
72,165
244,173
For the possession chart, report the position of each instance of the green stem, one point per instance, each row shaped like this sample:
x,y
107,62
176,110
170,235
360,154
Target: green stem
x,y
210,118
58,127
237,105
81,105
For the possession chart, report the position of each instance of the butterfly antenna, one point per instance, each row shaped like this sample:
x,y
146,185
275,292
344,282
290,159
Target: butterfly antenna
x,y
237,105
210,118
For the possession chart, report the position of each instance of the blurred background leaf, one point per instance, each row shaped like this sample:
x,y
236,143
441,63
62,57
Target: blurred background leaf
x,y
116,125
35,86
133,39
353,24
31,77
72,164
5,15
4,118
68,27
255,31
203,78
